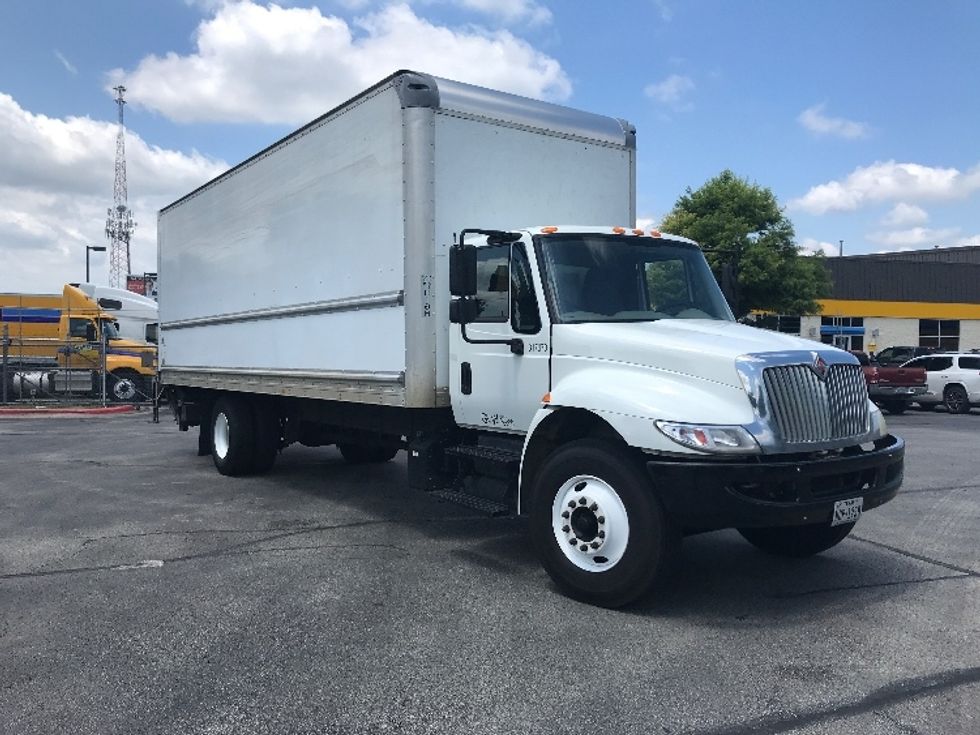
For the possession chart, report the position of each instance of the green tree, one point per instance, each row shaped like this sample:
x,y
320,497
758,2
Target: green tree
x,y
750,246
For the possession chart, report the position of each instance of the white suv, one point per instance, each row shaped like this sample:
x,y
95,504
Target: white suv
x,y
953,379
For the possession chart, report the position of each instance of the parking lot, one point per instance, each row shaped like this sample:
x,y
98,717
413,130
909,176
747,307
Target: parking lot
x,y
140,591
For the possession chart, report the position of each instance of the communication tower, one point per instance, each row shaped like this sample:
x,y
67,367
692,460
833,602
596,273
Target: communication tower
x,y
119,223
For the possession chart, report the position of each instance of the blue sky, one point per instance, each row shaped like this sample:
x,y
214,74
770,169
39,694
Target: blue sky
x,y
861,116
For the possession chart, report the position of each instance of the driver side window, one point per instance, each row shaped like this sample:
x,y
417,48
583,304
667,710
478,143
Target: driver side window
x,y
666,283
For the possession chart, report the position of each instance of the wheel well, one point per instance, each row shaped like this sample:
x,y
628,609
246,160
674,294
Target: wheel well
x,y
954,385
564,425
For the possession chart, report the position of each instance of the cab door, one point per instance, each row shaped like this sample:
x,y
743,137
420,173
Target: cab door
x,y
493,386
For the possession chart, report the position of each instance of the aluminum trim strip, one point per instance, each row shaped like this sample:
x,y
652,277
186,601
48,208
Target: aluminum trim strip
x,y
347,375
353,303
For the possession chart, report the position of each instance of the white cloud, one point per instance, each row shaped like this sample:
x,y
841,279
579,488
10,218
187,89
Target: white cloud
x,y
510,11
817,123
888,181
914,236
905,215
645,223
971,241
271,64
665,11
69,67
55,187
672,91
811,246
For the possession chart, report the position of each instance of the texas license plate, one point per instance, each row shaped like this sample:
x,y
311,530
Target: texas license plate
x,y
847,511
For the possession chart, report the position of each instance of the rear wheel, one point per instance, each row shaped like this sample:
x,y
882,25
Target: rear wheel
x,y
956,399
268,436
796,541
366,454
232,436
599,530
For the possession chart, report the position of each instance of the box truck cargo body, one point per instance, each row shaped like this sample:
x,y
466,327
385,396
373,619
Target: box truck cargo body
x,y
400,274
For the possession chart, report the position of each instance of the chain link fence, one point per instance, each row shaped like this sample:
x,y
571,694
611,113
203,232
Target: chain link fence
x,y
40,371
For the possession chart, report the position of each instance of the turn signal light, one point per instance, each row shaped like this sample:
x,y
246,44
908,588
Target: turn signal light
x,y
546,398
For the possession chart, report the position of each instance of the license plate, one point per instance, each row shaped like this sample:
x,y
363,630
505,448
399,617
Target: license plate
x,y
847,511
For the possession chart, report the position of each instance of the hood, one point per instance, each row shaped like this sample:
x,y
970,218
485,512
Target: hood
x,y
703,348
129,346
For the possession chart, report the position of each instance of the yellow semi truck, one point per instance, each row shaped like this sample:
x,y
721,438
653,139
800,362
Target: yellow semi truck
x,y
52,345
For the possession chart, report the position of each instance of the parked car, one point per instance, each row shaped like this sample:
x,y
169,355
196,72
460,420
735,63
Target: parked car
x,y
952,379
892,388
899,355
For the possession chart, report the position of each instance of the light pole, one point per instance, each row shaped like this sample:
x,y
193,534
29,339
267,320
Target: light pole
x,y
88,249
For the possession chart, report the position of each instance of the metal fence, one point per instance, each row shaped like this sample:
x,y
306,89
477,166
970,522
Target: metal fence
x,y
42,371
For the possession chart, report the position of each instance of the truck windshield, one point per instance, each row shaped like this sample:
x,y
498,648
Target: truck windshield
x,y
611,278
111,330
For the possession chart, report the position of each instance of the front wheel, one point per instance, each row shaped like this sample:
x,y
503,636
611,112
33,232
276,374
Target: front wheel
x,y
796,541
124,386
599,530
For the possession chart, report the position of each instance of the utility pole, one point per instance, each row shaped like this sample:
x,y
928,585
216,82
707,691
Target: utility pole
x,y
119,219
840,253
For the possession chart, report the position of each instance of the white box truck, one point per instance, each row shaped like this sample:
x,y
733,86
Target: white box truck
x,y
372,281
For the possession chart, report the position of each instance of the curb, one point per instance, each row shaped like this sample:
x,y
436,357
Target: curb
x,y
67,411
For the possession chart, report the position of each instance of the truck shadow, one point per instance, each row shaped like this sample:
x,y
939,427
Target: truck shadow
x,y
720,579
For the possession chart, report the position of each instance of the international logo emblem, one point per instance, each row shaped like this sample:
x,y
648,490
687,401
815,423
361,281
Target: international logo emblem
x,y
819,366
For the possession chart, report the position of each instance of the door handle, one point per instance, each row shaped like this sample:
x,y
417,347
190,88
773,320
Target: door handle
x,y
465,379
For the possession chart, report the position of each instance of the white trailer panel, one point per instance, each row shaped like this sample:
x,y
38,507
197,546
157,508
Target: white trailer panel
x,y
319,267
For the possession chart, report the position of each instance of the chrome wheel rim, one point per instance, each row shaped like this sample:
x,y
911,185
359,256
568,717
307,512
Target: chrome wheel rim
x,y
124,389
221,433
590,523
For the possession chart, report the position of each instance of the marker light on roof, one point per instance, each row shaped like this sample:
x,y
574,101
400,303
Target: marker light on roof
x,y
637,231
619,230
654,233
548,230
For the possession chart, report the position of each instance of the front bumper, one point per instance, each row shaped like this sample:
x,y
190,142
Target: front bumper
x,y
770,491
895,391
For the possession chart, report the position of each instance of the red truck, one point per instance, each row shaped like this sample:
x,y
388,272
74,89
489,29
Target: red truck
x,y
892,388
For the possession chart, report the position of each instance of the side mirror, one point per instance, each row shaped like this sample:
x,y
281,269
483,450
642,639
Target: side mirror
x,y
463,310
462,270
90,334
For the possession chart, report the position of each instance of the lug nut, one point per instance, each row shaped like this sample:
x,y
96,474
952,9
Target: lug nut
x,y
594,507
565,514
565,529
602,534
573,541
594,544
582,501
584,547
571,503
602,519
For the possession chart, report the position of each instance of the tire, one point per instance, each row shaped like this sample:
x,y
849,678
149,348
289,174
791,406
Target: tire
x,y
268,435
956,399
233,436
797,542
896,408
366,454
125,386
204,444
630,544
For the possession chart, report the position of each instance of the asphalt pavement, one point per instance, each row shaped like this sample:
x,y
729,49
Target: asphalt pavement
x,y
140,591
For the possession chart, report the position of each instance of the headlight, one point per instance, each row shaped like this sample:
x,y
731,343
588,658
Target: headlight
x,y
879,426
707,438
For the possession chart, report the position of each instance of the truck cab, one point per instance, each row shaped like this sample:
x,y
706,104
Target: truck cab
x,y
612,358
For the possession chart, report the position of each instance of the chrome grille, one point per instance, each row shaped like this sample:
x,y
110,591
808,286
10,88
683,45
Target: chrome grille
x,y
806,409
